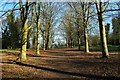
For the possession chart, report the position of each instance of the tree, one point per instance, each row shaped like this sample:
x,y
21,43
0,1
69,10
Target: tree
x,y
116,31
24,12
99,7
49,18
82,19
107,28
11,33
77,21
85,10
94,40
5,39
38,29
69,27
28,38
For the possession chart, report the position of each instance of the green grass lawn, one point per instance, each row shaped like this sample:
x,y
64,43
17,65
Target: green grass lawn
x,y
113,48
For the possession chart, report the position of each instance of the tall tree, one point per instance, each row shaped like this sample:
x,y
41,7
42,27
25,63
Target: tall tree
x,y
69,28
77,21
11,39
24,19
116,27
116,31
49,16
82,18
24,12
38,29
100,7
85,10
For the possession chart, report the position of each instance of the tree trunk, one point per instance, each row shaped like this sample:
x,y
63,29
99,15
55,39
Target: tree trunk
x,y
34,41
86,40
47,41
78,43
24,19
85,27
103,37
48,35
102,30
44,40
24,41
28,40
38,31
67,43
38,37
50,41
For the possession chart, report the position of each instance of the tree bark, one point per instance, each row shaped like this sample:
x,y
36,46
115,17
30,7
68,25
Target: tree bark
x,y
24,19
47,40
50,41
85,27
102,30
38,37
24,41
44,40
86,40
103,37
38,31
28,40
79,43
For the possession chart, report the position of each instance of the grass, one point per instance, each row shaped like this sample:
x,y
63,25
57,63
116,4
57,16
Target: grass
x,y
113,48
8,50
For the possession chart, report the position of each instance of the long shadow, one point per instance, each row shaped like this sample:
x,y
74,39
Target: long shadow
x,y
67,73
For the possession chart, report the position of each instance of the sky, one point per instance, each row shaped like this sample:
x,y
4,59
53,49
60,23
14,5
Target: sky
x,y
56,0
0,28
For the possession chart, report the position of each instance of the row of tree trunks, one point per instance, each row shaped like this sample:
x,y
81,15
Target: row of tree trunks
x,y
48,15
24,18
85,16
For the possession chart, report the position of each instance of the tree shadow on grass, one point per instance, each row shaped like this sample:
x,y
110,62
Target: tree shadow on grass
x,y
90,76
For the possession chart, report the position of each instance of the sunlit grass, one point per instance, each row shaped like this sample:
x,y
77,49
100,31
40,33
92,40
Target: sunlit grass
x,y
5,51
114,48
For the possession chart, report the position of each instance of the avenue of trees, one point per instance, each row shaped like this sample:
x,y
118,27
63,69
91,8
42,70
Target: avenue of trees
x,y
36,25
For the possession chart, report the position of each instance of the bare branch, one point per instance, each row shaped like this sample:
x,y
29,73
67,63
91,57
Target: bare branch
x,y
7,12
112,10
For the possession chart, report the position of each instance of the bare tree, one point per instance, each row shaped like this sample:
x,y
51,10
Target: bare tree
x,y
24,12
49,17
82,11
69,27
86,13
100,7
38,29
